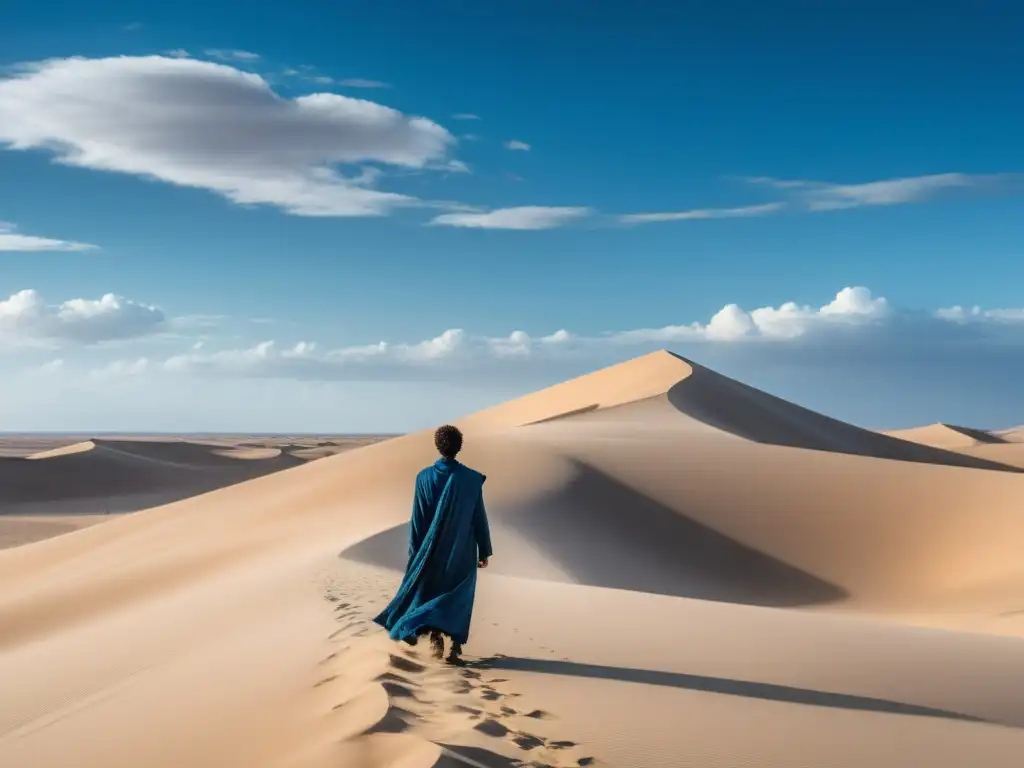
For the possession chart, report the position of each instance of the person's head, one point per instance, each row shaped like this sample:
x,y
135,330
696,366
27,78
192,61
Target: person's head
x,y
448,440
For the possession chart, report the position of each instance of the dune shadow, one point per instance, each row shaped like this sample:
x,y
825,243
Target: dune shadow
x,y
720,685
601,533
739,409
982,436
565,415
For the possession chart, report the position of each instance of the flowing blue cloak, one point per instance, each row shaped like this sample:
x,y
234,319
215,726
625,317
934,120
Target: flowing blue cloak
x,y
448,535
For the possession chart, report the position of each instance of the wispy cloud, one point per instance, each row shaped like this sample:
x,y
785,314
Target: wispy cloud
x,y
211,126
531,217
11,240
517,146
465,116
830,196
133,26
359,82
177,53
703,213
232,55
817,196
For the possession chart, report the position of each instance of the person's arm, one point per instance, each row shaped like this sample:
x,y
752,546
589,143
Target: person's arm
x,y
482,531
418,523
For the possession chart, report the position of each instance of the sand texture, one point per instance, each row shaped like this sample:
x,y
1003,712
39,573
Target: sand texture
x,y
688,573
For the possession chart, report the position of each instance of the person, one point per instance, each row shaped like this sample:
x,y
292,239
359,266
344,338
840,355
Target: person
x,y
449,539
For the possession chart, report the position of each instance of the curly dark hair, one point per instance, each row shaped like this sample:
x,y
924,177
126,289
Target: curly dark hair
x,y
448,440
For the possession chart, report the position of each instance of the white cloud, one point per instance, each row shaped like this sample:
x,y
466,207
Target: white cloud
x,y
11,240
523,217
853,305
854,318
359,82
703,213
958,314
465,116
210,126
829,196
177,53
232,55
521,344
26,319
517,146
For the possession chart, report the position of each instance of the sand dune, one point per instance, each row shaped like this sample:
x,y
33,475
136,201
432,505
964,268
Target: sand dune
x,y
688,572
948,436
106,469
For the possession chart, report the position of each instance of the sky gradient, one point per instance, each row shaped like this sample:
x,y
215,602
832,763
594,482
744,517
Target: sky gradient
x,y
328,217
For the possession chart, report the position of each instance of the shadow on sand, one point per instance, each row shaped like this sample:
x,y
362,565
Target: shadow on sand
x,y
720,685
602,533
742,410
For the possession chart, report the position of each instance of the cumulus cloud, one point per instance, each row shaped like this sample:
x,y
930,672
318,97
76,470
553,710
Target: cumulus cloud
x,y
27,319
11,240
517,146
852,305
703,213
522,217
210,126
830,196
854,319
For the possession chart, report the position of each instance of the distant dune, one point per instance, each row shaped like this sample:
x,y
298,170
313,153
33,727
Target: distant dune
x,y
948,436
120,469
687,571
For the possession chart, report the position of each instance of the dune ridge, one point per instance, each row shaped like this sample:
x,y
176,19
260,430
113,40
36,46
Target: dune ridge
x,y
687,571
948,436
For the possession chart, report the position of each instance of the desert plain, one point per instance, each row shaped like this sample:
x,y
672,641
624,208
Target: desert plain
x,y
688,573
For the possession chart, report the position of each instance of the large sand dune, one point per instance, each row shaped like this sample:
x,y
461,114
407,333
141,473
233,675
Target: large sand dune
x,y
688,572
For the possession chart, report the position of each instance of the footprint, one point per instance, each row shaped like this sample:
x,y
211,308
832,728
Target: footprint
x,y
406,664
492,727
527,741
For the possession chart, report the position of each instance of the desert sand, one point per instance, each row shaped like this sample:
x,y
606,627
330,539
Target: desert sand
x,y
52,484
688,572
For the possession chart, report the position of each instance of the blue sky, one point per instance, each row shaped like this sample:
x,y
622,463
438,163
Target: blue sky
x,y
428,207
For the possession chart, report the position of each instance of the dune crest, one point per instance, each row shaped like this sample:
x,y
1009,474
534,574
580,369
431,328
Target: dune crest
x,y
637,379
948,436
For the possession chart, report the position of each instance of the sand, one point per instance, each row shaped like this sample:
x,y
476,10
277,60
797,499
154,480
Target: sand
x,y
688,572
53,484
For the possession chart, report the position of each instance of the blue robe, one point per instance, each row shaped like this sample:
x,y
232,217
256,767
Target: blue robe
x,y
448,536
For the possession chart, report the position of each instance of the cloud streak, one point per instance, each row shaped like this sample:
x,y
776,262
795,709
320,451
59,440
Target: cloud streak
x,y
820,196
13,241
359,82
696,214
515,145
830,196
528,217
232,55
